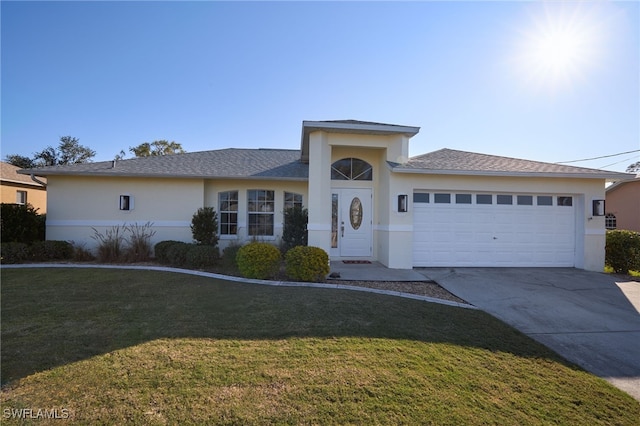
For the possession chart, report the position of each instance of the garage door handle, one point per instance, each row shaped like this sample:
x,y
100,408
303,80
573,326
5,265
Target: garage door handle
x,y
495,238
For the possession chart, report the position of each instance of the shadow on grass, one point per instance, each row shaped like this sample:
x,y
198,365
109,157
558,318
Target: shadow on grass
x,y
52,317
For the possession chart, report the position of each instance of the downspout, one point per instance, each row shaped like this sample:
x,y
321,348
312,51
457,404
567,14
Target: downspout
x,y
36,180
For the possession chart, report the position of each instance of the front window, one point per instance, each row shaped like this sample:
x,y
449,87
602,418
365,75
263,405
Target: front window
x,y
126,202
351,169
228,212
261,212
292,200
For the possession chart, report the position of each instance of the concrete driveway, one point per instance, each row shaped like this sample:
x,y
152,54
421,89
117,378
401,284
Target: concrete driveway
x,y
587,317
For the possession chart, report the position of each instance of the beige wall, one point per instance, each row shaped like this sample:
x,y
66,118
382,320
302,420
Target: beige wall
x,y
37,197
78,204
624,202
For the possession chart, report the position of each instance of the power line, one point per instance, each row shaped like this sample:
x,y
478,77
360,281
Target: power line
x,y
618,162
597,158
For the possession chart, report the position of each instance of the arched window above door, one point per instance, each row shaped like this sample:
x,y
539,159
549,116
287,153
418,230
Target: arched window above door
x,y
351,169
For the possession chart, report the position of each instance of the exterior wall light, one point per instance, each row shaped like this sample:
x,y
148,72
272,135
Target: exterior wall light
x,y
598,208
403,200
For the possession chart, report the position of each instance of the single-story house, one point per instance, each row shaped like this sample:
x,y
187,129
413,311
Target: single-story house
x,y
20,189
623,205
367,200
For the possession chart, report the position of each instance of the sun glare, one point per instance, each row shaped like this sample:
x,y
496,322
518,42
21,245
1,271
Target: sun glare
x,y
560,45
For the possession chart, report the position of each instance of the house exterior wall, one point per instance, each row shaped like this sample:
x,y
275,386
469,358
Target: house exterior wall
x,y
624,203
37,197
76,204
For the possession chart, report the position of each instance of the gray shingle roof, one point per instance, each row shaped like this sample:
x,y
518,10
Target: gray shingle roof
x,y
225,163
450,161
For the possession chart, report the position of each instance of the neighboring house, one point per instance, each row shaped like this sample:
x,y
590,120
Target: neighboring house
x,y
623,205
20,189
366,198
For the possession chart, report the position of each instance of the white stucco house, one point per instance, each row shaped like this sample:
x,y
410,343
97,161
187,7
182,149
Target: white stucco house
x,y
366,198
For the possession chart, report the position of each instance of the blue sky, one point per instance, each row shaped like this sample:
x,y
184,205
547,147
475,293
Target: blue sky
x,y
543,81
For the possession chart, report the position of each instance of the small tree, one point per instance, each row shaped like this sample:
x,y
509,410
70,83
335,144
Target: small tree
x,y
295,227
21,224
204,226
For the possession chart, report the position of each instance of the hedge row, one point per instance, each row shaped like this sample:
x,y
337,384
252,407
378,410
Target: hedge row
x,y
40,251
623,251
179,254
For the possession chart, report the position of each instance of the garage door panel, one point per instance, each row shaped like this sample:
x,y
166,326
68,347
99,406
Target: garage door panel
x,y
493,235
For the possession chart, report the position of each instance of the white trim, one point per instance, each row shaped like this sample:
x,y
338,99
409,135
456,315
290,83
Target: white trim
x,y
595,231
161,223
603,175
393,228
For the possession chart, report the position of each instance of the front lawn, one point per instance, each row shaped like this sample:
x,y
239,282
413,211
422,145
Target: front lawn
x,y
146,347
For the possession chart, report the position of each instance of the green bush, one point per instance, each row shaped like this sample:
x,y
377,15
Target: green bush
x,y
204,226
160,250
622,252
21,224
229,255
201,256
177,254
51,250
258,260
304,263
14,252
294,232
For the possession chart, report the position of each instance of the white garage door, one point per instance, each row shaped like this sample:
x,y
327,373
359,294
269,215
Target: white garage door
x,y
483,229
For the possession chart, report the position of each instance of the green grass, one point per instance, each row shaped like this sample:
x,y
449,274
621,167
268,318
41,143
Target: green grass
x,y
143,347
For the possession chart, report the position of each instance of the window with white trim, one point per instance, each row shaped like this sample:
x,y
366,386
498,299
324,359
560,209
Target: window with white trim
x,y
228,209
292,199
351,169
610,221
21,197
261,208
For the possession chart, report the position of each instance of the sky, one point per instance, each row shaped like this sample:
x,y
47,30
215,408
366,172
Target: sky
x,y
545,81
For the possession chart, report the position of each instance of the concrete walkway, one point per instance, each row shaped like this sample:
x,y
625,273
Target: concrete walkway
x,y
374,271
587,317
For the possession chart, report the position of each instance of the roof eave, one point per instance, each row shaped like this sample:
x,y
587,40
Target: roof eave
x,y
609,176
167,176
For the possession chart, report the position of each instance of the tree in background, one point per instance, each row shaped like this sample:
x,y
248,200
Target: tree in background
x,y
634,168
154,148
69,151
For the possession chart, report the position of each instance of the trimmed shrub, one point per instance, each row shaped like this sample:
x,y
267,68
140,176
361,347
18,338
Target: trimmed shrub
x,y
622,252
307,263
51,250
294,232
161,248
14,252
258,260
177,254
204,226
201,256
21,224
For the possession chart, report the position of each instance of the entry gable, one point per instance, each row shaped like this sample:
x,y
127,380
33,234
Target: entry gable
x,y
351,127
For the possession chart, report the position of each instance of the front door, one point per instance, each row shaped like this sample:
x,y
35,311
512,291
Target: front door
x,y
351,223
